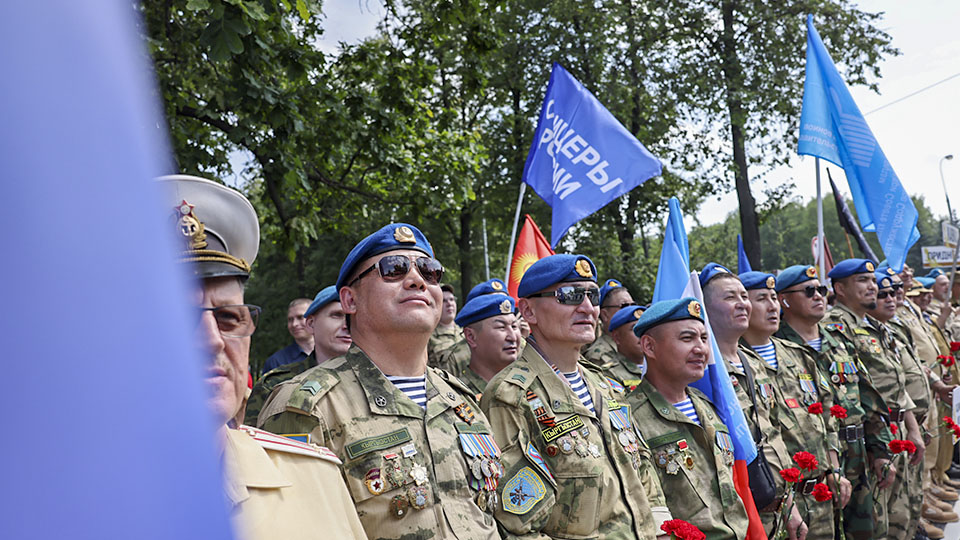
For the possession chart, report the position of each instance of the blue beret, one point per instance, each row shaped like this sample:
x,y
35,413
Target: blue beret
x,y
926,281
554,269
666,311
849,267
490,286
883,280
712,270
795,275
758,280
629,314
608,286
935,273
390,238
324,297
483,307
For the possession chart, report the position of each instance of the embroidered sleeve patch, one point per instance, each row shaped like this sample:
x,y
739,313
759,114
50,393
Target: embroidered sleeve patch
x,y
372,444
522,492
534,456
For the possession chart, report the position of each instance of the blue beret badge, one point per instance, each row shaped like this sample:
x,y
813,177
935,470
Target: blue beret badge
x,y
583,268
495,285
811,272
506,307
404,234
693,308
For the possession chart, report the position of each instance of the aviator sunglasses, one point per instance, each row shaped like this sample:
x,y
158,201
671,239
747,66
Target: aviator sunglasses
x,y
396,267
571,296
885,293
809,290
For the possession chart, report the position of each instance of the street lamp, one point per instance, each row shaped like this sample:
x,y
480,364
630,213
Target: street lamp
x,y
942,181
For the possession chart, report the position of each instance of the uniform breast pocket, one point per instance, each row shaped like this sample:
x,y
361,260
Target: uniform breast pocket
x,y
576,513
679,475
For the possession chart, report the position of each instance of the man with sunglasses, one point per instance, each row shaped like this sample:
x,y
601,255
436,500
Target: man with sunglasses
x,y
602,354
419,457
269,480
575,464
798,384
803,302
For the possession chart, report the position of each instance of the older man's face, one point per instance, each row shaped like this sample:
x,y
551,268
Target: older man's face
x,y
229,357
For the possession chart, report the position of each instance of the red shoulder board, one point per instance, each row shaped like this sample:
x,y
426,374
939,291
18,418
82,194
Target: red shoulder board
x,y
279,443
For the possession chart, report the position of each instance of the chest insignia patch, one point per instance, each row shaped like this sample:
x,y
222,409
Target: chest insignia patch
x,y
522,492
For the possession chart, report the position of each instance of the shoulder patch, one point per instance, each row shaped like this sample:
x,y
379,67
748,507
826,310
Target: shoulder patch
x,y
522,492
309,387
279,443
534,456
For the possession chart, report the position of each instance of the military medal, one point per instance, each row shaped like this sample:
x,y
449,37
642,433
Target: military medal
x,y
476,470
419,474
464,412
585,432
594,450
395,472
685,453
492,501
623,438
552,450
566,444
581,448
409,450
482,501
418,496
399,506
373,481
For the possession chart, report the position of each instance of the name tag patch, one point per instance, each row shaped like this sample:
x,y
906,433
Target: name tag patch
x,y
561,428
379,442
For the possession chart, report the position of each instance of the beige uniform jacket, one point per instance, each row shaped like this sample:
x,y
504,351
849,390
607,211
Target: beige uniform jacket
x,y
700,491
602,353
281,489
409,471
570,472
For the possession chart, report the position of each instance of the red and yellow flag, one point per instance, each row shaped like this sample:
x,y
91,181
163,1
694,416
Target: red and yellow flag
x,y
531,247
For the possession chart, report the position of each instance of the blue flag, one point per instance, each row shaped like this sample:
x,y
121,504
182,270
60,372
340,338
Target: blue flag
x,y
581,157
674,268
107,433
831,127
743,263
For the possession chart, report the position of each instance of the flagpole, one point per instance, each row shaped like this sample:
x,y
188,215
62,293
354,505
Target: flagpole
x,y
513,235
486,256
820,237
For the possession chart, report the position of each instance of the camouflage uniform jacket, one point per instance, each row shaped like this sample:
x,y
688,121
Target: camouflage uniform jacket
x,y
455,359
918,386
881,354
570,472
602,353
626,372
407,469
441,340
799,383
262,389
703,492
924,342
852,390
473,381
771,440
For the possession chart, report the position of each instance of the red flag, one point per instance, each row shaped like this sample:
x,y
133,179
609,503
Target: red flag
x,y
531,247
826,255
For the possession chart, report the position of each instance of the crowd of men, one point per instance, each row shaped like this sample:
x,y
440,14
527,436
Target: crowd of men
x,y
569,413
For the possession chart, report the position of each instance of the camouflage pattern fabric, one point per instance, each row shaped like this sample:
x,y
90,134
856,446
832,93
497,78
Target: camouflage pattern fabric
x,y
441,340
262,389
455,359
602,353
703,492
474,382
626,372
570,472
399,461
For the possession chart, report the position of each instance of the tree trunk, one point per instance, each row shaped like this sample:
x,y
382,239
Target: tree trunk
x,y
733,78
466,261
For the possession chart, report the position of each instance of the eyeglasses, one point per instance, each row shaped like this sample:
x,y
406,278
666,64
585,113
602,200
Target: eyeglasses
x,y
572,296
619,306
396,267
885,293
234,321
809,290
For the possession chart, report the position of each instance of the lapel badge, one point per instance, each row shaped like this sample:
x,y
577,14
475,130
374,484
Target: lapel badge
x,y
418,496
419,474
465,413
373,481
399,506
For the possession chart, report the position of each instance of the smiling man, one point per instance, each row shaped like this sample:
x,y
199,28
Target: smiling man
x,y
575,466
491,331
302,344
797,384
691,446
419,458
269,480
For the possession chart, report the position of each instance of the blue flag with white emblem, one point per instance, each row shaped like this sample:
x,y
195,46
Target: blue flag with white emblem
x,y
674,269
581,157
832,127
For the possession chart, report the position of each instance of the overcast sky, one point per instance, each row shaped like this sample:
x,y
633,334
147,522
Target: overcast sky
x,y
914,133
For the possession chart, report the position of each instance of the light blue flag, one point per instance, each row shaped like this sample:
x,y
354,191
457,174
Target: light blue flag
x,y
674,268
674,280
831,127
106,430
743,263
581,157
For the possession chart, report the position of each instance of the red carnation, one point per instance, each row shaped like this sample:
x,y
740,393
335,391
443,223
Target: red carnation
x,y
896,446
893,428
822,493
909,447
805,460
947,421
946,360
954,346
791,475
956,430
838,412
816,408
682,530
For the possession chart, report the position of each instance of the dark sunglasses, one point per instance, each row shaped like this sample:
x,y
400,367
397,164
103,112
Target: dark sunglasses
x,y
572,296
893,290
396,267
809,290
619,306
